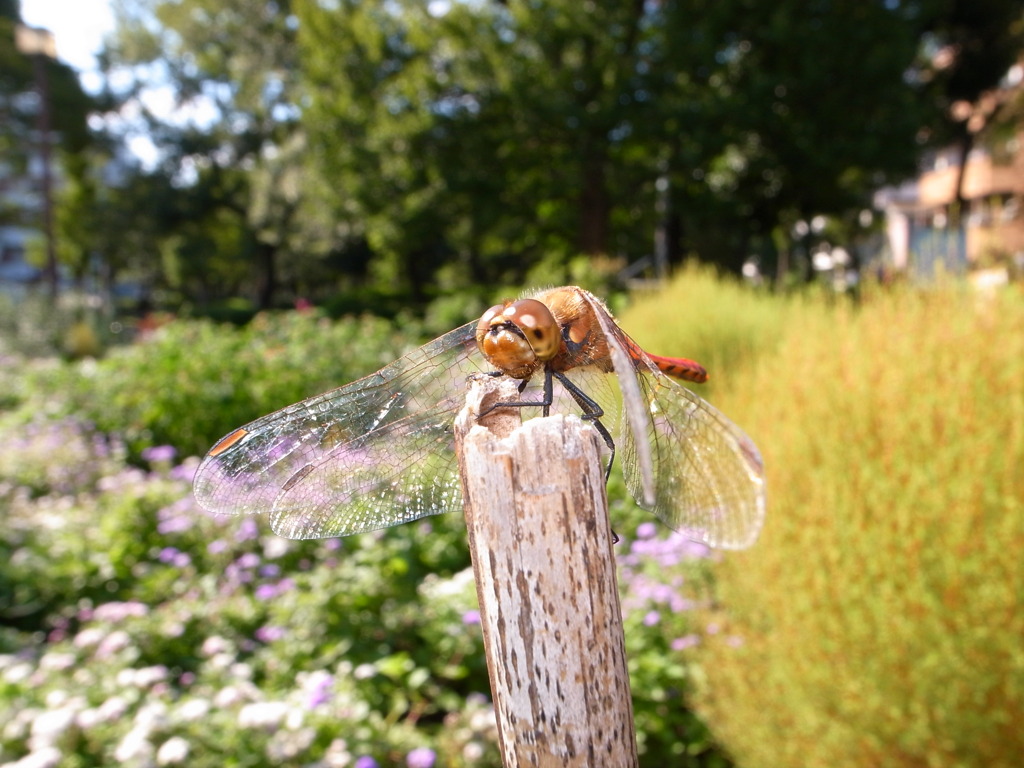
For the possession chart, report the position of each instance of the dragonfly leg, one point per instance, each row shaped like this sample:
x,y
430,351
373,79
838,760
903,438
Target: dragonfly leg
x,y
544,403
592,412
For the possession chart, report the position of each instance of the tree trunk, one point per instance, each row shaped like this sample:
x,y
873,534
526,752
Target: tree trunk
x,y
593,201
268,286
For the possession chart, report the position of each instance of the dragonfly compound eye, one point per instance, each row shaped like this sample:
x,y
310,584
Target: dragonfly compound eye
x,y
517,337
538,325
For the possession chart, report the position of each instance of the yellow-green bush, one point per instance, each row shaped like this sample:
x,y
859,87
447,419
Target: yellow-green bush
x,y
716,321
880,619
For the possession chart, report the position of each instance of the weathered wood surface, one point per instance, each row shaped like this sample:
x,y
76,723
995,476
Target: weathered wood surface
x,y
537,519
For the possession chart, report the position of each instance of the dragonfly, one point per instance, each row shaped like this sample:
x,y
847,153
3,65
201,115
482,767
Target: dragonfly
x,y
380,451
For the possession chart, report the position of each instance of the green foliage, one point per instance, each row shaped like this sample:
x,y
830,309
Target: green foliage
x,y
216,634
878,620
190,382
251,648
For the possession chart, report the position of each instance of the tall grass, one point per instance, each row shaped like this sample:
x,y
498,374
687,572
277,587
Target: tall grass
x,y
714,320
880,619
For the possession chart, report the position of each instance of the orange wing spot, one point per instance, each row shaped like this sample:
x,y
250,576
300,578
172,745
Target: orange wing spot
x,y
228,441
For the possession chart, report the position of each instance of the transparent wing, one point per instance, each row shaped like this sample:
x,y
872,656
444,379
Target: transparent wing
x,y
371,454
707,475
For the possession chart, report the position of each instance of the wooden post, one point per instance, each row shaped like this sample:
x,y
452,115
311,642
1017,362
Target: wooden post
x,y
537,518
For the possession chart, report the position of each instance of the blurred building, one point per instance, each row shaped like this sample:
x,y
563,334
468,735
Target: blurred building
x,y
927,229
27,177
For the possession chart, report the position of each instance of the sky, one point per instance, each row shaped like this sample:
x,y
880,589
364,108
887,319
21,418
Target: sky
x,y
78,26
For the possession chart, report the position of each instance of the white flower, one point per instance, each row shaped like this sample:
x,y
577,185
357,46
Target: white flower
x,y
193,709
285,746
17,673
17,727
364,672
455,586
263,714
148,676
242,671
113,709
50,726
228,696
134,746
47,757
88,636
152,715
88,718
174,750
221,660
116,641
337,755
473,751
214,645
275,547
57,662
55,699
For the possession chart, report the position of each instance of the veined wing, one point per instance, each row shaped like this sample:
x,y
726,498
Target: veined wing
x,y
708,475
373,453
682,458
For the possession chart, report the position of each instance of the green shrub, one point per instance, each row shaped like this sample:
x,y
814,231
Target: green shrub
x,y
879,620
190,382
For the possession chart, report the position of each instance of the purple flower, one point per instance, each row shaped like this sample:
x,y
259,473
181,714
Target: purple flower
x,y
176,517
320,690
652,618
471,617
269,634
118,611
216,546
247,529
266,591
185,472
684,642
365,761
175,524
159,453
646,531
270,570
248,560
175,557
421,757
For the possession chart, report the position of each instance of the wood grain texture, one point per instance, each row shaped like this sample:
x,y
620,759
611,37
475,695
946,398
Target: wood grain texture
x,y
537,520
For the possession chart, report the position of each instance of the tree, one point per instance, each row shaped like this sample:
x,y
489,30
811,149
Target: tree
x,y
229,146
969,47
39,99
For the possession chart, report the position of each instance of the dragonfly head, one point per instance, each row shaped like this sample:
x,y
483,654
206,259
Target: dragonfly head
x,y
518,337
